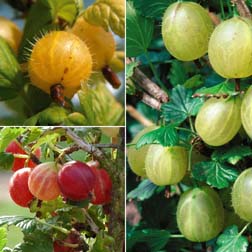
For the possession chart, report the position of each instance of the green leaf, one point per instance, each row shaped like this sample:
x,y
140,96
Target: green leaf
x,y
143,191
232,241
26,224
178,74
100,107
37,239
155,58
150,8
215,174
232,155
6,160
220,89
3,237
139,32
166,136
11,78
7,134
45,15
181,105
156,239
194,81
130,69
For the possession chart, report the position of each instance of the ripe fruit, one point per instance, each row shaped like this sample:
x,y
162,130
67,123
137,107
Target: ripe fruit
x,y
43,182
200,214
102,188
57,247
166,165
10,32
241,195
186,29
60,58
101,43
18,187
230,48
246,112
219,120
76,180
15,148
136,158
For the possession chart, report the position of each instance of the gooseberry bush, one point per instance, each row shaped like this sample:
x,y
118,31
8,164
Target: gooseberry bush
x,y
65,66
189,125
73,191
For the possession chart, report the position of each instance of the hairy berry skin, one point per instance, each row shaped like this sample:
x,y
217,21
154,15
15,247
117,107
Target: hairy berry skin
x,y
101,43
15,148
76,180
60,58
200,214
43,181
18,187
102,188
186,28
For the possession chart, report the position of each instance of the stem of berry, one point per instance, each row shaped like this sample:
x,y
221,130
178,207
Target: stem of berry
x,y
237,85
111,77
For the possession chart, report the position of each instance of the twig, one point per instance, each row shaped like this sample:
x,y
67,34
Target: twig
x,y
148,85
150,101
138,116
90,221
242,8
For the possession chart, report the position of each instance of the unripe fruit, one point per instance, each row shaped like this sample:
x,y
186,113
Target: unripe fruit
x,y
246,112
200,214
136,157
241,195
18,187
110,131
10,32
101,43
219,120
230,48
102,188
166,165
15,148
60,58
76,180
186,29
43,181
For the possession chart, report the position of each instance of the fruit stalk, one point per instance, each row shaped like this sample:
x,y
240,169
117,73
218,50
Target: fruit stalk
x,y
242,8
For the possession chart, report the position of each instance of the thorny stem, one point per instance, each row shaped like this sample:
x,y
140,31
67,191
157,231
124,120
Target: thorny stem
x,y
61,229
90,221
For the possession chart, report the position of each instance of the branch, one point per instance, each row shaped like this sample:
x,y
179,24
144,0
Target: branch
x,y
138,116
242,8
148,85
150,101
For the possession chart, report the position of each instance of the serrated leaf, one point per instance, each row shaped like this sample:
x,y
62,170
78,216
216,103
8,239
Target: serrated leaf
x,y
3,237
156,239
107,13
7,134
178,74
130,69
32,135
143,191
11,78
181,105
150,8
220,89
139,32
100,107
6,160
194,81
232,155
51,138
26,224
232,241
45,15
216,174
166,136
